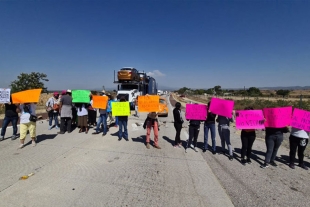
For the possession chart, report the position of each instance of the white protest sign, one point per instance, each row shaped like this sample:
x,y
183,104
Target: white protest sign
x,y
5,95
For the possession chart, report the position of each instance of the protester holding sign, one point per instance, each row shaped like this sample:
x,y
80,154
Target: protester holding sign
x,y
152,122
27,122
273,139
178,121
82,115
193,132
122,122
209,124
52,108
65,107
298,139
92,113
248,137
102,119
11,115
224,132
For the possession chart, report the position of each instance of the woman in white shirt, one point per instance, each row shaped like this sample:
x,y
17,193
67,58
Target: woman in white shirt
x,y
298,139
26,110
82,114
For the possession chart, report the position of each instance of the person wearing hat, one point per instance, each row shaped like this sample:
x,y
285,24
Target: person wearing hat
x,y
52,108
65,107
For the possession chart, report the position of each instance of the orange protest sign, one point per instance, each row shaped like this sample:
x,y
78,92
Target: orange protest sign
x,y
148,103
28,96
100,102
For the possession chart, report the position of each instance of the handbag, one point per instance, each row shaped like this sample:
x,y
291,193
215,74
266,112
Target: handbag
x,y
48,109
33,118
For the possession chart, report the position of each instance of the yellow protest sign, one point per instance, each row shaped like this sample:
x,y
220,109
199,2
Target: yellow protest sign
x,y
120,109
148,103
100,102
28,96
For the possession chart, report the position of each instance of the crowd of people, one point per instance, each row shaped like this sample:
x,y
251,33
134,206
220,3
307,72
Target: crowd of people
x,y
274,136
84,115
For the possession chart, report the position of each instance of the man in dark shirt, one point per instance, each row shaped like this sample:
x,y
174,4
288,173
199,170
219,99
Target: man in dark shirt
x,y
11,115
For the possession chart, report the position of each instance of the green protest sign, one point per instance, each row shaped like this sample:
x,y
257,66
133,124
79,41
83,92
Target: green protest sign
x,y
80,96
120,109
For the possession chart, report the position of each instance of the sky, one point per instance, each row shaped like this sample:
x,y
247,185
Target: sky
x,y
181,43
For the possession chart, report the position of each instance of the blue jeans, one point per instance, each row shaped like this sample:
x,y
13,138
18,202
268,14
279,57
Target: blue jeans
x,y
54,116
116,121
6,122
210,127
102,119
121,124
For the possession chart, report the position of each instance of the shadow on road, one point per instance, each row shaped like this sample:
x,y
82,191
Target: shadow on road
x,y
169,140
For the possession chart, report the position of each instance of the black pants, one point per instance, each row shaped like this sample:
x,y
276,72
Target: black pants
x,y
247,143
301,144
193,133
92,115
65,121
273,143
178,128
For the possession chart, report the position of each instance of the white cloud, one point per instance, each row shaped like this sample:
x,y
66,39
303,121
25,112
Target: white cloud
x,y
155,73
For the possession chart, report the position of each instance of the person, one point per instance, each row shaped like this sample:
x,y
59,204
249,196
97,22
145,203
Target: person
x,y
209,124
122,121
248,137
10,116
65,107
273,140
178,121
109,110
193,132
152,122
92,113
102,119
136,107
298,139
52,107
224,132
26,110
82,115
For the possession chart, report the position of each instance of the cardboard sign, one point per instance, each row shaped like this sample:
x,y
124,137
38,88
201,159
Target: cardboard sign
x,y
196,112
5,95
301,119
222,107
148,103
28,96
278,117
120,109
250,119
80,96
100,102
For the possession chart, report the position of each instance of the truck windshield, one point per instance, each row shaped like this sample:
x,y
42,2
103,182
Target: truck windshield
x,y
126,96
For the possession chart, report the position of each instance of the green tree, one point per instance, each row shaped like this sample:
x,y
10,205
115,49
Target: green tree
x,y
253,91
27,81
182,90
218,90
283,93
210,91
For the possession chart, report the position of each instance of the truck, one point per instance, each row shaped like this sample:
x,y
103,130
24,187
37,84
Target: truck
x,y
131,89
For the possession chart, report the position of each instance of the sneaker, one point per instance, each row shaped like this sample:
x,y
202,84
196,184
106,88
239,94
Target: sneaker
x,y
50,127
214,152
204,150
243,161
14,137
157,147
249,161
95,133
273,164
265,165
231,157
56,127
148,145
180,145
21,146
292,165
303,166
1,138
119,139
195,149
192,146
33,143
186,150
104,134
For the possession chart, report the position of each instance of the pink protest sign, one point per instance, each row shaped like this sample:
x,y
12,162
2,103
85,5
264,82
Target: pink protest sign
x,y
195,111
222,107
250,119
278,117
301,119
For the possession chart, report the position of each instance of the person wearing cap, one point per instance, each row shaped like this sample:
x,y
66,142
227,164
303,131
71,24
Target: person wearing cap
x,y
65,107
102,119
52,108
